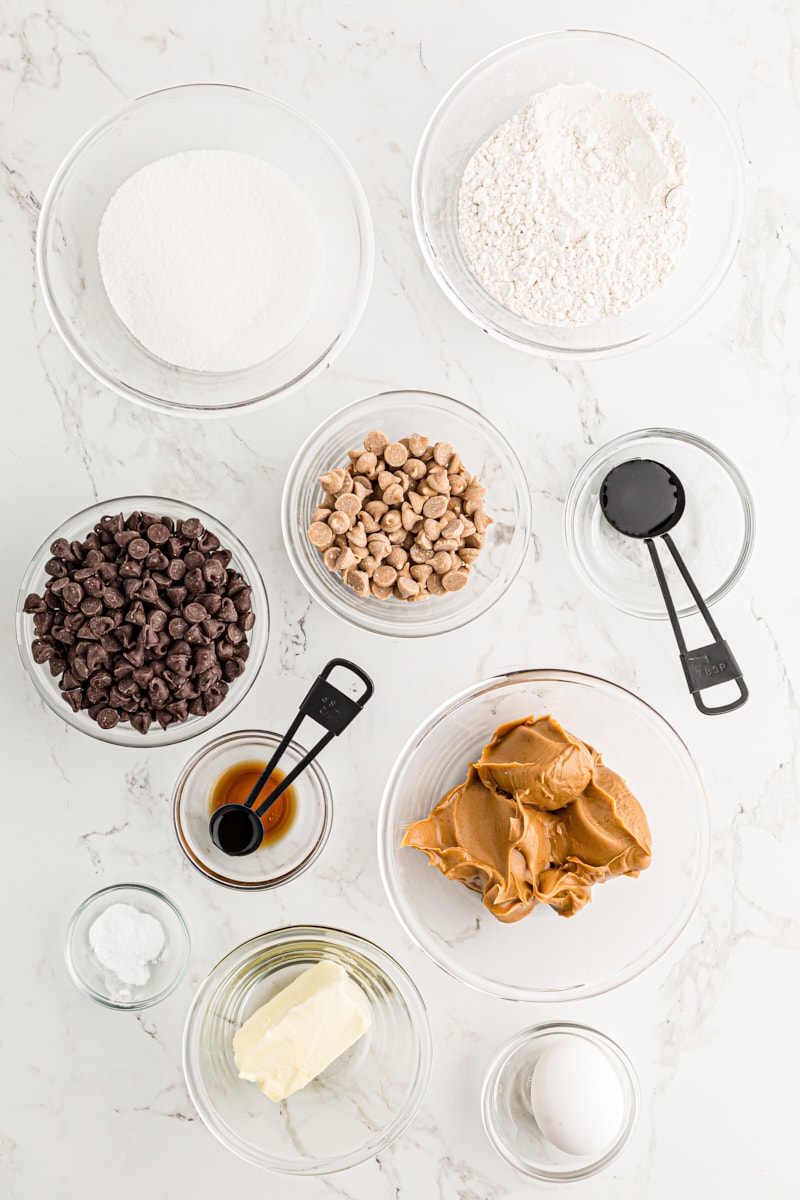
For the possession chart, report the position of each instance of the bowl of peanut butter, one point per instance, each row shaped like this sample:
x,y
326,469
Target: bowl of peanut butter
x,y
544,836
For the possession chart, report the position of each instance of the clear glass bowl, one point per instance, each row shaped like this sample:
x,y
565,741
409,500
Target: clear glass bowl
x,y
715,534
485,452
124,734
629,922
196,117
499,86
276,862
356,1107
508,1117
100,984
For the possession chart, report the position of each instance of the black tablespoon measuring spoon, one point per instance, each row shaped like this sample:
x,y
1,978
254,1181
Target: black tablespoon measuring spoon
x,y
237,829
644,499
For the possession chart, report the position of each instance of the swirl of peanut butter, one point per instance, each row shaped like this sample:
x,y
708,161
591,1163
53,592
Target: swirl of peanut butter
x,y
540,819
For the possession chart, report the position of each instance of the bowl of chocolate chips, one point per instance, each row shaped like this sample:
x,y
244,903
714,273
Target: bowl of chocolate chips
x,y
142,620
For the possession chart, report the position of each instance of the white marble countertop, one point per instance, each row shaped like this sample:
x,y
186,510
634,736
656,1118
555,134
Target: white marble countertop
x,y
92,1103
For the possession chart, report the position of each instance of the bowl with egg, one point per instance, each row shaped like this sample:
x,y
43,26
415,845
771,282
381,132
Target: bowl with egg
x,y
543,836
205,249
300,1104
578,194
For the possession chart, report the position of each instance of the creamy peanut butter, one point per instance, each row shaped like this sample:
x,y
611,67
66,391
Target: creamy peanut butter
x,y
539,819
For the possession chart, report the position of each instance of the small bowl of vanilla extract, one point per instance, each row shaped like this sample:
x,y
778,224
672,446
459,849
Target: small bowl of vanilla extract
x,y
296,826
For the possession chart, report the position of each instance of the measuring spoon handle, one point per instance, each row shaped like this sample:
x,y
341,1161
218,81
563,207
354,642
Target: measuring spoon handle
x,y
706,666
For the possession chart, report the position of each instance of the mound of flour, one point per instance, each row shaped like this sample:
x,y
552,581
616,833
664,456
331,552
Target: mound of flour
x,y
212,259
577,207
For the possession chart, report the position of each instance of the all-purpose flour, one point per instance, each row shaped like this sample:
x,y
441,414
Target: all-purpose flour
x,y
577,207
212,259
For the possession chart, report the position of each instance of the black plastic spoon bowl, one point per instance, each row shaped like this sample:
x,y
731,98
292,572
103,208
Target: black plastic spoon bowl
x,y
643,499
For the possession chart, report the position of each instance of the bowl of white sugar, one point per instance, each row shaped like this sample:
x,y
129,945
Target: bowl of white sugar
x,y
204,249
578,194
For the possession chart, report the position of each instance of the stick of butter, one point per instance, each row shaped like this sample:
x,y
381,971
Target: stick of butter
x,y
299,1032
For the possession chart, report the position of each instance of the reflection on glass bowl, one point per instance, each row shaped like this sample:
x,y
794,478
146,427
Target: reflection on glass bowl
x,y
629,923
358,1105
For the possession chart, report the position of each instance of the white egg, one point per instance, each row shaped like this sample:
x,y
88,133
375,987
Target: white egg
x,y
576,1097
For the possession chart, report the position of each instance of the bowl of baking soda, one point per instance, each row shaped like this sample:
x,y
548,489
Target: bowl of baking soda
x,y
205,248
127,947
578,194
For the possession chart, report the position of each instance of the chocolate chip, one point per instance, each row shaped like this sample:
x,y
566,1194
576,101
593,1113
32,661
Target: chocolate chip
x,y
107,718
157,534
142,617
141,721
194,613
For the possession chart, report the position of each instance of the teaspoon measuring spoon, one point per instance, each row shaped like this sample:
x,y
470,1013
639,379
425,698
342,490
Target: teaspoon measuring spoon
x,y
644,499
237,829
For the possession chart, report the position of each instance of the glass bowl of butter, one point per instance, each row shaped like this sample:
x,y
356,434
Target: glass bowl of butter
x,y
570,830
307,1050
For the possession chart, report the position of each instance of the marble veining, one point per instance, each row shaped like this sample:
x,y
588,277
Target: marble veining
x,y
93,1103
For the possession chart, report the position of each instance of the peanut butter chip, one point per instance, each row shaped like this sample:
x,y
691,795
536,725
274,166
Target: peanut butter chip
x,y
402,519
395,454
339,522
454,581
320,535
375,442
348,504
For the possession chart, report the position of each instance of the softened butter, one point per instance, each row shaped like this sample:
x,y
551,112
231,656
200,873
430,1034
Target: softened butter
x,y
299,1032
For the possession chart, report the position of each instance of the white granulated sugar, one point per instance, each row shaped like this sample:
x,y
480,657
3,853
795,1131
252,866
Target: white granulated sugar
x,y
577,207
212,259
126,941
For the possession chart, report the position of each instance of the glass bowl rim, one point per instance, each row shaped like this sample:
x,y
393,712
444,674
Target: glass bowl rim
x,y
86,988
311,857
77,346
605,453
182,731
418,1020
532,345
519,992
573,1029
293,489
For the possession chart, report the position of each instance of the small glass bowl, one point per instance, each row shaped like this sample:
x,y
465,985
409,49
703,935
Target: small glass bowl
x,y
350,1112
485,452
498,86
124,734
100,984
197,117
629,923
715,534
275,863
506,1104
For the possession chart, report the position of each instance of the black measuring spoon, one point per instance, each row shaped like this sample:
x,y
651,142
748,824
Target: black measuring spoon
x,y
237,829
643,499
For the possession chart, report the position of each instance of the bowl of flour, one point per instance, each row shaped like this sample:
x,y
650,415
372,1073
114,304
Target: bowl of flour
x,y
578,194
205,249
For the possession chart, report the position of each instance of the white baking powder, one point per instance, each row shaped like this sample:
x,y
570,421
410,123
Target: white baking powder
x,y
577,207
126,941
212,259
